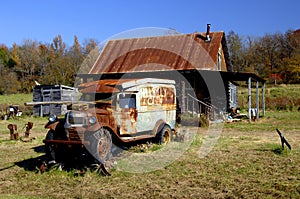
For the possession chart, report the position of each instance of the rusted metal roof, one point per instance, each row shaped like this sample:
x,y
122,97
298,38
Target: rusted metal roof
x,y
175,52
103,86
115,85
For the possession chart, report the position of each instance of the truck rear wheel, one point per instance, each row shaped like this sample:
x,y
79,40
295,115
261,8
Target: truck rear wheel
x,y
101,145
164,135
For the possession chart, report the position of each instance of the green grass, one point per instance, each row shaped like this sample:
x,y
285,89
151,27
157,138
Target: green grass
x,y
18,99
15,99
246,162
283,120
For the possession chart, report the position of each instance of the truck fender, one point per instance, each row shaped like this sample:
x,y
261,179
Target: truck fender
x,y
158,126
51,125
94,127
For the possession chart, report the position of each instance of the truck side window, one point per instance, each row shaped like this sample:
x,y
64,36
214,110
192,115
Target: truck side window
x,y
127,101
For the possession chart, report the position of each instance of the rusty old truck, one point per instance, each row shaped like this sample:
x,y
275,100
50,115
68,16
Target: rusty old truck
x,y
113,112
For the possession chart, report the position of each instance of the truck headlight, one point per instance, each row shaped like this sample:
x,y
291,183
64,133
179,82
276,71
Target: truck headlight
x,y
92,120
52,117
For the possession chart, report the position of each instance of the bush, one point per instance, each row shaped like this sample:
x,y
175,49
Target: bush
x,y
282,103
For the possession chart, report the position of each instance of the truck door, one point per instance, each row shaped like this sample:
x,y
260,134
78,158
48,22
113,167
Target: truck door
x,y
128,114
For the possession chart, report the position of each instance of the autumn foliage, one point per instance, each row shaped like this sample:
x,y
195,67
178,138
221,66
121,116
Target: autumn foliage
x,y
54,63
275,57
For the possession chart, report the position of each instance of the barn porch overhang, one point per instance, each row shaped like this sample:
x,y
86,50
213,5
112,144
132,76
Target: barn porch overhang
x,y
253,113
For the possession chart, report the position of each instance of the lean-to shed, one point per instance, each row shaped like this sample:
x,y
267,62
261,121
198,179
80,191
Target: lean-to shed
x,y
52,93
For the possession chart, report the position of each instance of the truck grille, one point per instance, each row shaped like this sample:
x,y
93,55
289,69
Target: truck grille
x,y
77,118
73,134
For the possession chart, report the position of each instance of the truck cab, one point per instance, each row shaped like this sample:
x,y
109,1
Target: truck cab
x,y
114,111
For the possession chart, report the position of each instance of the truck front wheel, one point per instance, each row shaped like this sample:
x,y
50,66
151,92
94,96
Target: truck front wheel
x,y
50,148
164,135
101,145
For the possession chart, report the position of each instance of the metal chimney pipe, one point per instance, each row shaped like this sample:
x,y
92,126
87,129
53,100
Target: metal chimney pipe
x,y
207,32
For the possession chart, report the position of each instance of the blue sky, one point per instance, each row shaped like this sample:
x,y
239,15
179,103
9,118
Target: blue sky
x,y
42,20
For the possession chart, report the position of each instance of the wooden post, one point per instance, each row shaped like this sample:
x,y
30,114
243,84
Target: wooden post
x,y
41,110
186,102
193,109
183,96
249,99
263,99
257,100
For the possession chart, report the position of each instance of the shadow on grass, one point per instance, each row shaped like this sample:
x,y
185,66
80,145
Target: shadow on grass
x,y
275,148
76,165
278,150
32,164
39,149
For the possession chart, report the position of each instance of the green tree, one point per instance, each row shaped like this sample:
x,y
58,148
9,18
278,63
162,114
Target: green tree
x,y
293,68
43,61
4,54
55,71
28,69
8,81
235,45
90,44
76,56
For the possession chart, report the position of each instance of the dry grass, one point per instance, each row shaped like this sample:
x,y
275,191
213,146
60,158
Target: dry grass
x,y
246,162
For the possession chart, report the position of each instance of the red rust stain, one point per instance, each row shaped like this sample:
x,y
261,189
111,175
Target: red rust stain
x,y
128,121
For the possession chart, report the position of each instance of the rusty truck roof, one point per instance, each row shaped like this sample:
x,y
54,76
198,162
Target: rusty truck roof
x,y
114,85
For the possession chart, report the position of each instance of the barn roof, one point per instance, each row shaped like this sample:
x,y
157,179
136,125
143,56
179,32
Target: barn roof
x,y
172,52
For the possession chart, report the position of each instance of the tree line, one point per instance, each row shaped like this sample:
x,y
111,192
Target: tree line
x,y
275,57
55,63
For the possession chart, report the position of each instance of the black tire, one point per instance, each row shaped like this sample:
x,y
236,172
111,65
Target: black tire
x,y
164,135
101,145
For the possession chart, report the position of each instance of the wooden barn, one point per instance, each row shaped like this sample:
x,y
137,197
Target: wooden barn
x,y
198,62
53,93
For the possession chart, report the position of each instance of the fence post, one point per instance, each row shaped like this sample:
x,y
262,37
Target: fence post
x,y
263,100
257,100
249,99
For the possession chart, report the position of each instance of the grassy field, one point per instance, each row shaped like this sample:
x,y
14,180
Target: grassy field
x,y
277,97
246,162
